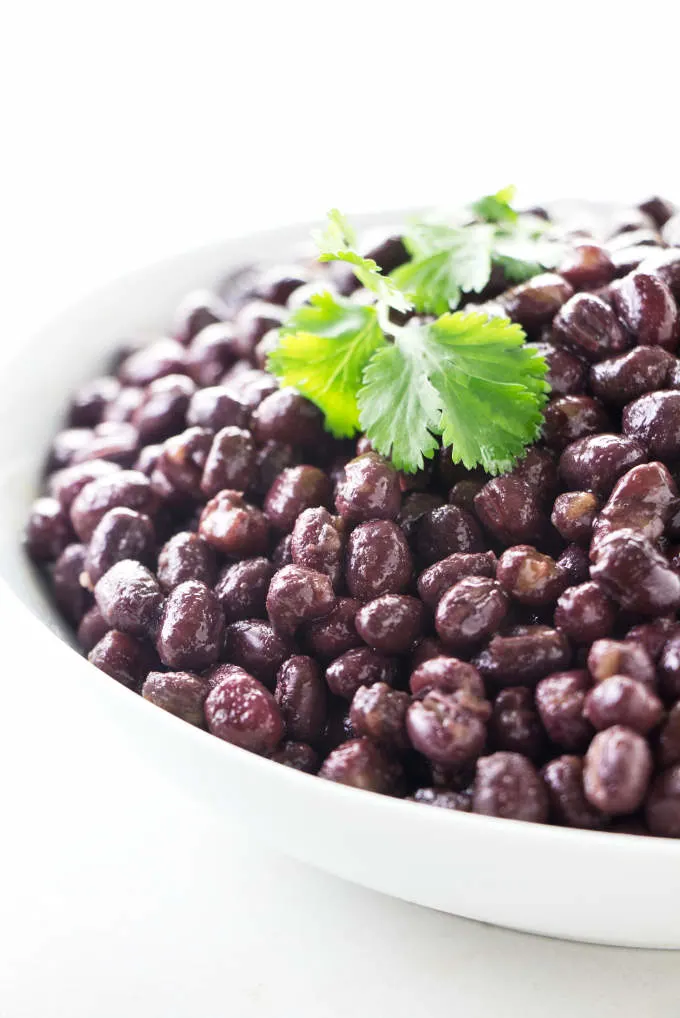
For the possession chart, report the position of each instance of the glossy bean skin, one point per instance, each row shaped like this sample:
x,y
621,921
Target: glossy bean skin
x,y
186,556
378,560
92,627
414,507
620,700
525,658
301,696
198,310
120,534
434,581
645,304
653,636
655,421
90,400
560,699
256,648
444,798
566,374
470,612
230,462
241,711
585,613
242,589
446,530
569,418
357,667
163,410
363,764
191,629
72,597
298,755
127,488
448,728
294,490
447,674
391,623
619,380
179,693
573,515
285,416
332,635
511,510
528,576
368,490
617,769
129,598
507,785
47,531
515,726
535,302
587,326
596,462
563,778
643,499
211,352
164,357
621,657
234,527
216,407
297,595
68,482
573,564
666,265
587,266
123,657
635,574
378,712
318,543
662,809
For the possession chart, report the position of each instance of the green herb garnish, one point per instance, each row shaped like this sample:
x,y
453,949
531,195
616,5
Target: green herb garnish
x,y
464,380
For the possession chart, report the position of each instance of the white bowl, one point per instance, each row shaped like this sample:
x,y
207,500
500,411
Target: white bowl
x,y
607,888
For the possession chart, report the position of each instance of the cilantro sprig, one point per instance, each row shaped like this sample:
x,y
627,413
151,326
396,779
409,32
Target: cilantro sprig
x,y
463,380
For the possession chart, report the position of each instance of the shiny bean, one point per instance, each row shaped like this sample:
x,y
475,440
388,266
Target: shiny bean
x,y
507,785
617,769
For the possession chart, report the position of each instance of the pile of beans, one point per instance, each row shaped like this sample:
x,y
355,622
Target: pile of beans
x,y
507,646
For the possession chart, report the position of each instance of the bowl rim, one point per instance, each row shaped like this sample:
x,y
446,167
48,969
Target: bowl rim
x,y
297,782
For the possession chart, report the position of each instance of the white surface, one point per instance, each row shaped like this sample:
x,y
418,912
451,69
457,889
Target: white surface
x,y
132,131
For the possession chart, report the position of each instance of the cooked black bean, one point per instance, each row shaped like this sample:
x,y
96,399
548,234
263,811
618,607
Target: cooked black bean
x,y
507,785
566,373
369,490
73,597
301,695
470,612
297,595
285,416
191,628
93,626
596,462
446,530
293,491
654,419
230,462
524,658
618,766
391,623
587,326
242,589
573,515
448,728
620,700
378,712
434,581
186,556
560,698
90,401
198,310
179,693
240,710
361,763
254,646
123,657
569,418
529,576
645,305
163,412
619,380
378,560
585,613
318,543
233,527
535,302
563,778
297,755
587,266
621,657
163,357
515,726
360,666
335,633
120,534
48,530
511,510
129,598
635,574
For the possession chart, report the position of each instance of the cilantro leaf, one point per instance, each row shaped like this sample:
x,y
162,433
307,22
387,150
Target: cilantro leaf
x,y
322,352
336,243
399,408
467,377
445,262
496,208
492,388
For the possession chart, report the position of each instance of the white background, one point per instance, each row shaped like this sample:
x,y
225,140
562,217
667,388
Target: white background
x,y
135,129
